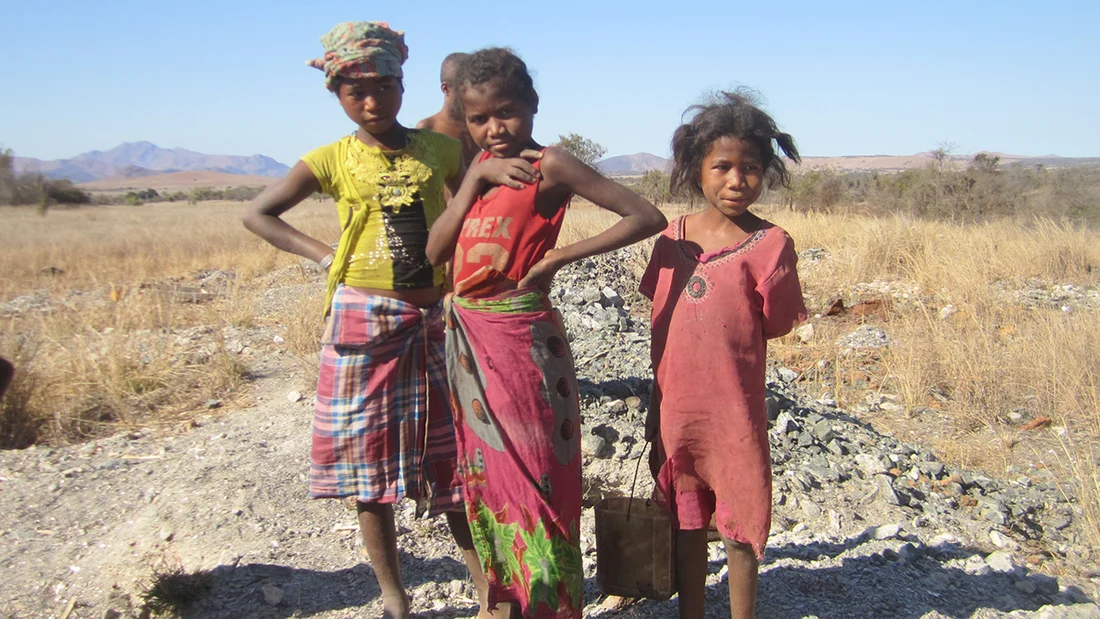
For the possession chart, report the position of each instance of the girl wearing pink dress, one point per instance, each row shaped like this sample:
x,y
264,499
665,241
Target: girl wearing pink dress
x,y
723,281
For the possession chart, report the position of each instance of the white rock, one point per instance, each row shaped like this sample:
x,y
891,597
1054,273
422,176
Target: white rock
x,y
788,375
811,510
1002,541
977,569
884,531
1001,561
272,595
294,396
947,310
805,333
278,339
948,538
1077,611
892,407
611,298
870,465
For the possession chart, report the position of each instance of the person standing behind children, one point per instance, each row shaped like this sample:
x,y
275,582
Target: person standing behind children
x,y
723,281
508,360
382,428
448,120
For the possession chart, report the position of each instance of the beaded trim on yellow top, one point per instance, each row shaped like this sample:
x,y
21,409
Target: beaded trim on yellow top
x,y
364,180
396,180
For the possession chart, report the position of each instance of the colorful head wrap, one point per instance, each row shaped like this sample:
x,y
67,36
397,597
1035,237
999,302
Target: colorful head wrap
x,y
361,49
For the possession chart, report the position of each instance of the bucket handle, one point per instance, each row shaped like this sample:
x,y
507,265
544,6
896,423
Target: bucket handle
x,y
633,484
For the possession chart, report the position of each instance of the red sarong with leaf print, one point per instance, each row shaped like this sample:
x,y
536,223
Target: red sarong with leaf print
x,y
517,421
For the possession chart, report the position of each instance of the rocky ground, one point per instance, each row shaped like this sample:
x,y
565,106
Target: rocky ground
x,y
864,525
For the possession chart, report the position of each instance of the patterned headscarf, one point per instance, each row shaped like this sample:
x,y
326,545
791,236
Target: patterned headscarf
x,y
361,49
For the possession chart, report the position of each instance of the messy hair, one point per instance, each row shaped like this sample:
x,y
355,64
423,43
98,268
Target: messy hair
x,y
728,114
499,66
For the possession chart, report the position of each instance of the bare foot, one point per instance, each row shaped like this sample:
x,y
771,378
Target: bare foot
x,y
396,607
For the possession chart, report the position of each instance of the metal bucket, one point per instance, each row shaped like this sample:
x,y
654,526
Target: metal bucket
x,y
635,549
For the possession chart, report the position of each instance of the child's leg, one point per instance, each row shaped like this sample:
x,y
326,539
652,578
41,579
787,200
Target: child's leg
x,y
380,537
743,570
460,530
691,572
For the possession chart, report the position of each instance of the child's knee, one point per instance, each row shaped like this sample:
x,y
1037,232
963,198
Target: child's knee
x,y
739,551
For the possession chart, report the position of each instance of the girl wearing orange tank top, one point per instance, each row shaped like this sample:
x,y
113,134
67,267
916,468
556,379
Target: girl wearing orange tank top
x,y
513,384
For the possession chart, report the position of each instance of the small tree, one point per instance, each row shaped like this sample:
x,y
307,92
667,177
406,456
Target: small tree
x,y
983,163
653,186
7,176
582,148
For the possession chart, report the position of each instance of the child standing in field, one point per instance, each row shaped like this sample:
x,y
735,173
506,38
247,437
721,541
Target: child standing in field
x,y
511,372
723,281
382,428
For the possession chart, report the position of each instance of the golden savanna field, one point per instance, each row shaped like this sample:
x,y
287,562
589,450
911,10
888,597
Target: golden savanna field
x,y
993,362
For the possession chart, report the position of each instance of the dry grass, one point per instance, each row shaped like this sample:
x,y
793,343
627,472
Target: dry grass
x,y
963,378
994,354
126,245
107,354
172,590
960,380
91,363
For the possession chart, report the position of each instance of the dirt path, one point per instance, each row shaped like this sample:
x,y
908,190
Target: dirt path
x,y
84,528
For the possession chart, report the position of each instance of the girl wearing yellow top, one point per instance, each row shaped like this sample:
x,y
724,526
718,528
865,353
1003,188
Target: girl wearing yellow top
x,y
382,427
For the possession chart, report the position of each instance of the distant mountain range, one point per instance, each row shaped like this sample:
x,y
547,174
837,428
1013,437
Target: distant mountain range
x,y
640,163
629,165
134,159
137,159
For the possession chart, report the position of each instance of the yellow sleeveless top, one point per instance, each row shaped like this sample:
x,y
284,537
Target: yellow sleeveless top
x,y
386,201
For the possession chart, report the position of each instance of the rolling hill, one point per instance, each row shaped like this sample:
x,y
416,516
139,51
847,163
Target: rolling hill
x,y
132,159
640,163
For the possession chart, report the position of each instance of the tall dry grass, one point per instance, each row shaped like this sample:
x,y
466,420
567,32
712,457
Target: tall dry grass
x,y
91,364
967,381
105,354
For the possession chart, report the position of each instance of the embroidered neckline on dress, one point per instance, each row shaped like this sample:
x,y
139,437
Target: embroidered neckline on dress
x,y
717,256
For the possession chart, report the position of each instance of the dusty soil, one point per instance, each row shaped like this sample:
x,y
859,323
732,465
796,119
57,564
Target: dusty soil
x,y
178,181
222,500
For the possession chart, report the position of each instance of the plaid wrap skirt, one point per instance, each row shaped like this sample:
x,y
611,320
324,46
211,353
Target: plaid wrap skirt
x,y
383,428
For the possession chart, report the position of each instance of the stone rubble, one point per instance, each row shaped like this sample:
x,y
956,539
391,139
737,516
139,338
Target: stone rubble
x,y
864,525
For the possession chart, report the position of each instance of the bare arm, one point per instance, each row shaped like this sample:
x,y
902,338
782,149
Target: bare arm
x,y
263,216
640,219
514,173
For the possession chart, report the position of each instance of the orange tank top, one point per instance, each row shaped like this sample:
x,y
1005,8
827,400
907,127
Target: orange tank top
x,y
502,237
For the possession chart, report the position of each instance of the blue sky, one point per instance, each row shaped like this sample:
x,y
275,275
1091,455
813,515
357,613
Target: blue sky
x,y
845,78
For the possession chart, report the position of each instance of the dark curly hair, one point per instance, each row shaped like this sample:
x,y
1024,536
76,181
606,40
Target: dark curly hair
x,y
499,66
728,114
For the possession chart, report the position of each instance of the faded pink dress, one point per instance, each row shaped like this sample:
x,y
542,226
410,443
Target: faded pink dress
x,y
712,316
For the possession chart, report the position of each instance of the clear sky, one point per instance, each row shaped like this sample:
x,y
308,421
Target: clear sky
x,y
845,78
